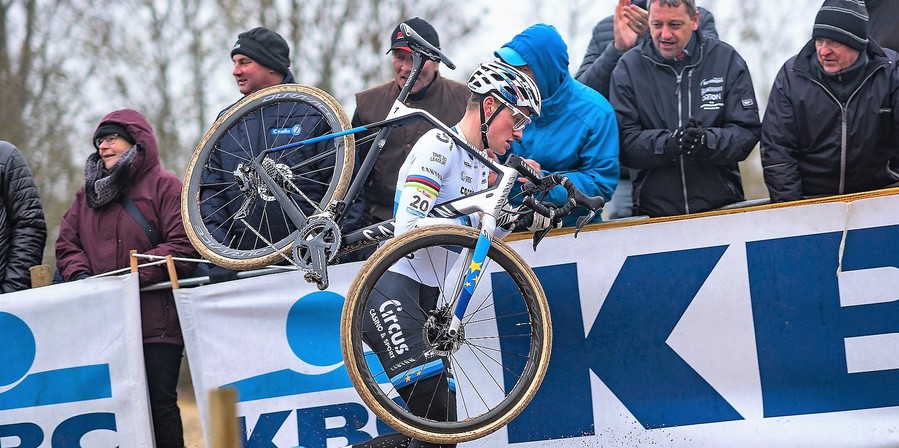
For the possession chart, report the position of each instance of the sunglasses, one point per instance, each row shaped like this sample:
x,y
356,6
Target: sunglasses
x,y
519,118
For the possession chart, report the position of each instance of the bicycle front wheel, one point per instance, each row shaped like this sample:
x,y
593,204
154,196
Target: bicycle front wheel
x,y
231,216
402,361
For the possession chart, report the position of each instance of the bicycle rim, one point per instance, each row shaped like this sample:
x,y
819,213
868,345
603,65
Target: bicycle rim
x,y
215,190
498,364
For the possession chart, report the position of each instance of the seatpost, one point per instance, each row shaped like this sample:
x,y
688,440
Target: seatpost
x,y
381,137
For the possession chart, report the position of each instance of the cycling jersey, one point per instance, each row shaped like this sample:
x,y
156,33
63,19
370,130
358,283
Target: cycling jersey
x,y
436,171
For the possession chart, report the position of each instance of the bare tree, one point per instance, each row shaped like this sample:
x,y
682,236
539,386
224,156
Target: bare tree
x,y
41,99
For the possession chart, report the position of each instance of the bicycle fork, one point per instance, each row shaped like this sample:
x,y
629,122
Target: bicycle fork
x,y
464,288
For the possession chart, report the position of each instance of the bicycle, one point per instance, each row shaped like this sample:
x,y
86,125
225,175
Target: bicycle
x,y
286,192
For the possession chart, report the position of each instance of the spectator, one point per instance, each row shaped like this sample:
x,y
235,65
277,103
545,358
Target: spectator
x,y
831,122
98,231
576,134
687,113
441,97
23,230
883,15
261,59
612,37
616,34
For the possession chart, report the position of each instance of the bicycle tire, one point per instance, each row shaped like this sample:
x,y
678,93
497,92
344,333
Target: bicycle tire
x,y
211,193
519,358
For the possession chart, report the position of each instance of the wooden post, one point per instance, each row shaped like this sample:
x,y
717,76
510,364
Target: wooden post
x,y
173,274
223,418
133,262
40,275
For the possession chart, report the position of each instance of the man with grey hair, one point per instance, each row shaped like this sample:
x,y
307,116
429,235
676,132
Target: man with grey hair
x,y
832,122
687,113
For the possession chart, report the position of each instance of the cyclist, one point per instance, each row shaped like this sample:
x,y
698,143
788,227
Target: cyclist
x,y
437,170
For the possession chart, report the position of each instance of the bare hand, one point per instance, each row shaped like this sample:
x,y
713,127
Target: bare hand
x,y
629,23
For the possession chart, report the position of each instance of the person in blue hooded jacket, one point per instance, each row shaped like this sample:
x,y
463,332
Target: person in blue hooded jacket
x,y
576,133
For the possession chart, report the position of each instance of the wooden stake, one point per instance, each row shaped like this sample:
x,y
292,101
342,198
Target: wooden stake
x,y
133,261
173,274
223,418
40,275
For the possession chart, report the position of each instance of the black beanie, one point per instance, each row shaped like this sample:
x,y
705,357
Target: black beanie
x,y
109,128
843,21
265,47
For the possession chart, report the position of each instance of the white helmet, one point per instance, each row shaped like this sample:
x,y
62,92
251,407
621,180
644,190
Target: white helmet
x,y
508,83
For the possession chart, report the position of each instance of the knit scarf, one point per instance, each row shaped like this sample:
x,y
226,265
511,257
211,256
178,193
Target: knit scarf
x,y
103,186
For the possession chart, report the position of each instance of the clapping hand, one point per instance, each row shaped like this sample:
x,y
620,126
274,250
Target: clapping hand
x,y
629,23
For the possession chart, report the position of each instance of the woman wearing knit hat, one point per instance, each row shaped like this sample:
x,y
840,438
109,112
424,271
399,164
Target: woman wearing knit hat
x,y
98,232
831,124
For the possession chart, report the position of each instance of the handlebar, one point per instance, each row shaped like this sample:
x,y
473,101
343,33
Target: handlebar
x,y
420,45
540,184
576,198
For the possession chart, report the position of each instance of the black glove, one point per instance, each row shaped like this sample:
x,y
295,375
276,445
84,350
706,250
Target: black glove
x,y
81,275
218,274
674,146
694,140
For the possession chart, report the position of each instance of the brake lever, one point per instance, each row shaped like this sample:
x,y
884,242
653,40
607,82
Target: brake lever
x,y
583,221
538,236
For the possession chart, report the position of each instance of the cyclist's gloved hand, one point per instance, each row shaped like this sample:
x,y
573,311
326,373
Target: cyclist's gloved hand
x,y
520,218
694,138
674,146
540,222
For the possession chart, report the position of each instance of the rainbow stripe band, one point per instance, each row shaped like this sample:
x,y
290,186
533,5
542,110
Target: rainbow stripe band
x,y
423,183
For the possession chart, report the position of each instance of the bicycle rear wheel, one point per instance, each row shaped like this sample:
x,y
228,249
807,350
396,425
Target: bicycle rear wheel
x,y
230,215
491,370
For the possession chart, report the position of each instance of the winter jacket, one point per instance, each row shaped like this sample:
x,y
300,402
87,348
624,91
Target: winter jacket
x,y
443,98
814,145
601,57
98,240
882,15
576,133
23,230
221,199
652,97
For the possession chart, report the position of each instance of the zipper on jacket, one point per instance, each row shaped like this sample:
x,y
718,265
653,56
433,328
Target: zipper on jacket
x,y
680,109
844,119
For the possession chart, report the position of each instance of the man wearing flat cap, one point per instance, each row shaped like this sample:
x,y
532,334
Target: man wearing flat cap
x,y
443,98
833,113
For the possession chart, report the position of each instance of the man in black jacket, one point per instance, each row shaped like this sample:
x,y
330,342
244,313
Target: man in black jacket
x,y
23,230
612,37
832,122
687,113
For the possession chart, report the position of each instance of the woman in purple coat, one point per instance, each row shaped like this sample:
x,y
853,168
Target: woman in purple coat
x,y
97,234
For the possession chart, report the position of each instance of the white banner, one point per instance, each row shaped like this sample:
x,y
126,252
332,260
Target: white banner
x,y
71,367
775,328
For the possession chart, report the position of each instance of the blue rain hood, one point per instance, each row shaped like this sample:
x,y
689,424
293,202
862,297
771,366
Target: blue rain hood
x,y
543,49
